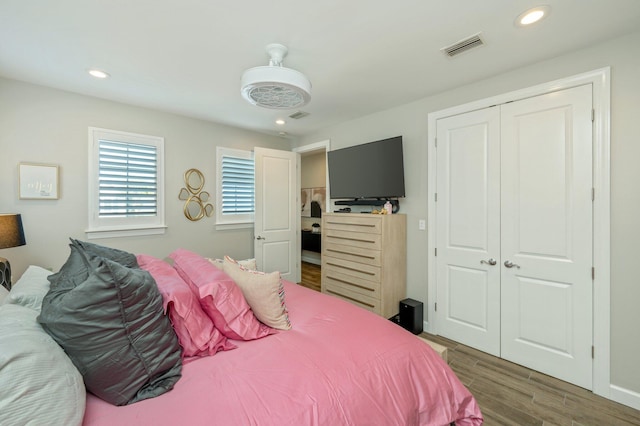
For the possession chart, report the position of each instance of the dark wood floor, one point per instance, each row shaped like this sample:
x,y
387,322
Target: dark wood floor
x,y
310,275
509,394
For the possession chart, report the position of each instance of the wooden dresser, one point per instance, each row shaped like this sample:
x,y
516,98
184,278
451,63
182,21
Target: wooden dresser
x,y
364,259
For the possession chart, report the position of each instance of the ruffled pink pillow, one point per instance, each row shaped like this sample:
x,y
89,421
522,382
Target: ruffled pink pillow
x,y
196,332
219,296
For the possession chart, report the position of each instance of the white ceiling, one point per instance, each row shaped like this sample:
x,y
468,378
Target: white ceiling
x,y
362,56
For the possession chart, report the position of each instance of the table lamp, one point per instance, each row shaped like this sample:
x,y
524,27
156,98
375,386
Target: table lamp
x,y
11,235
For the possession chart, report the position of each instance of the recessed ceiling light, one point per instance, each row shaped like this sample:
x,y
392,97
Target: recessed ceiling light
x,y
532,16
98,73
280,121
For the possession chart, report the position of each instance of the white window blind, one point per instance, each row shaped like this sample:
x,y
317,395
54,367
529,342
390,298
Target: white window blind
x,y
127,179
238,182
236,186
126,184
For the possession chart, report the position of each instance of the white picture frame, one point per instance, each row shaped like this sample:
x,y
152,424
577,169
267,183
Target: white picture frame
x,y
38,181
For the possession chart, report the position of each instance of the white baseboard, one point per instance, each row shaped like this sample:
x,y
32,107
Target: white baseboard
x,y
625,396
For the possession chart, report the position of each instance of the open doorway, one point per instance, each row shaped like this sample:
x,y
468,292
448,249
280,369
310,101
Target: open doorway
x,y
314,197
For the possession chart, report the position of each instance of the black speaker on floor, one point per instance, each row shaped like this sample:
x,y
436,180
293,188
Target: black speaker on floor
x,y
411,313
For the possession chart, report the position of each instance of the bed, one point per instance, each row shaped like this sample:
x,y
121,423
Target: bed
x,y
337,365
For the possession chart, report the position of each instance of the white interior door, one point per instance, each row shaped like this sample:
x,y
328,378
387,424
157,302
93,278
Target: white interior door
x,y
546,186
468,229
514,185
276,239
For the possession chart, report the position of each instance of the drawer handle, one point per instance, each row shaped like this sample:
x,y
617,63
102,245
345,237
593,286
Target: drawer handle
x,y
353,239
351,269
366,225
352,299
350,253
350,283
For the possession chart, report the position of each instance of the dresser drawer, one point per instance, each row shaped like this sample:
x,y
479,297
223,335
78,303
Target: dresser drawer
x,y
355,254
353,269
336,279
354,223
364,259
368,303
355,239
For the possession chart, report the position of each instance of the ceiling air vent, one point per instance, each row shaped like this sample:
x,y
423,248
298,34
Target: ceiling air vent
x,y
298,115
463,45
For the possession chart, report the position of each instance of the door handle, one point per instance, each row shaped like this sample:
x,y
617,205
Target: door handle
x,y
259,237
510,264
491,261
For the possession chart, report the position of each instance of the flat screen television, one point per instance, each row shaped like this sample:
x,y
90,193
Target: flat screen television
x,y
373,170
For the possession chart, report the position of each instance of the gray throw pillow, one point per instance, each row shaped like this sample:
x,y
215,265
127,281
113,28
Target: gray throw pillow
x,y
119,256
74,270
112,326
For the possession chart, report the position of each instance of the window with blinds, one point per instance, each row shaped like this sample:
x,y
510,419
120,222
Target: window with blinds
x,y
236,186
126,184
127,179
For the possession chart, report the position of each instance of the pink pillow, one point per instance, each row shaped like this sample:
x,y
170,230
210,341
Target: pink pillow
x,y
220,297
195,330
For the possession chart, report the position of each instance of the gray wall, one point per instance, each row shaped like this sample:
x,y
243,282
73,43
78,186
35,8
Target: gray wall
x,y
44,125
410,121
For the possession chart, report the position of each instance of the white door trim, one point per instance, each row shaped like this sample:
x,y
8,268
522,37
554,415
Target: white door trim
x,y
319,146
601,83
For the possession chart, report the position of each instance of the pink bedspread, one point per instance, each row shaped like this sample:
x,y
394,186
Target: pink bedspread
x,y
339,365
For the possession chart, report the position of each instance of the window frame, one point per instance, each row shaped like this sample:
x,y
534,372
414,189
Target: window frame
x,y
236,220
111,227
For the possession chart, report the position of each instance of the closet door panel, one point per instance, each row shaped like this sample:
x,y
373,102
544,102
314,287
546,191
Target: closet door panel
x,y
468,229
546,181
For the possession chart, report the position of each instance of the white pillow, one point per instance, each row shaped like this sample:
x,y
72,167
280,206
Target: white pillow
x,y
246,263
30,288
263,292
40,385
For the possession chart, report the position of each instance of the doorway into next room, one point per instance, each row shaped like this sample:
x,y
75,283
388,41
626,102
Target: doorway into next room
x,y
314,201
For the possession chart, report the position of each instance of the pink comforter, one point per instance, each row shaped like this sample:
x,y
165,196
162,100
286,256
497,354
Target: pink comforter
x,y
338,365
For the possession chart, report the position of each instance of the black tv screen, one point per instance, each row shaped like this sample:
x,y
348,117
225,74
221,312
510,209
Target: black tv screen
x,y
370,170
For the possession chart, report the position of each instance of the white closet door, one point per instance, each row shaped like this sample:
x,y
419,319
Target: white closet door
x,y
468,229
547,234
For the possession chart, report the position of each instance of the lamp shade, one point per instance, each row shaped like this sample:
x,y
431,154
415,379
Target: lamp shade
x,y
11,232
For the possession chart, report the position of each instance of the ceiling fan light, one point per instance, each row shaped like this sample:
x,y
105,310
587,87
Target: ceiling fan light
x,y
275,86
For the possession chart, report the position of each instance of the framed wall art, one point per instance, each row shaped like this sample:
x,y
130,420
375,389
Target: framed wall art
x,y
38,181
313,201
